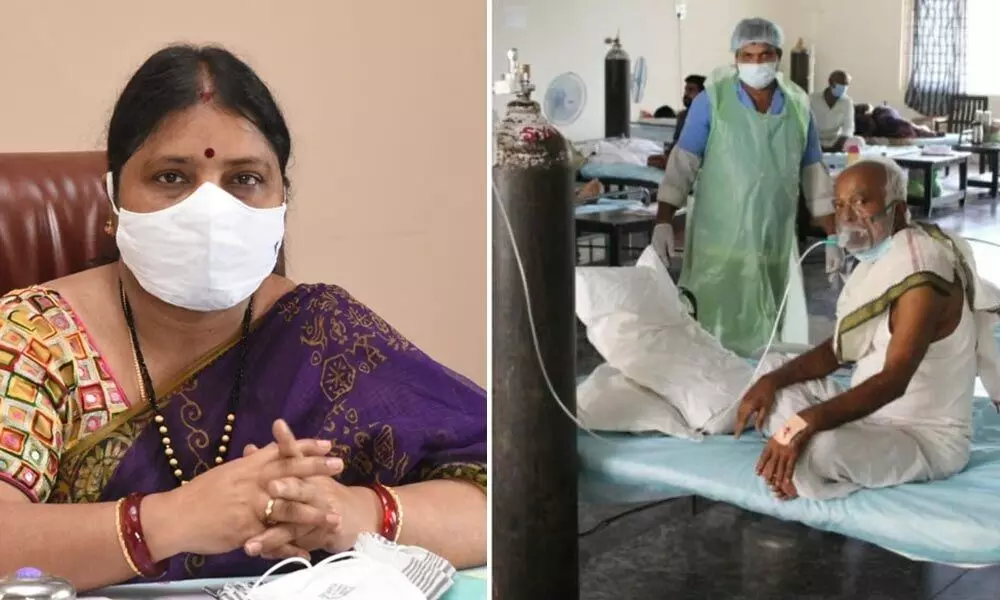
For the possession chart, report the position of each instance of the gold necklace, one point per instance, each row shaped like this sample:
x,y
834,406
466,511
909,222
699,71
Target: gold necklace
x,y
147,392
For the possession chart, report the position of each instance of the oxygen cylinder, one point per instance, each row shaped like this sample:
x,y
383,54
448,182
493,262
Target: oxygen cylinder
x,y
534,460
617,85
801,70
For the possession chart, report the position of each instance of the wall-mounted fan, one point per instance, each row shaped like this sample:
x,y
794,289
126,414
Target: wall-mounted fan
x,y
564,99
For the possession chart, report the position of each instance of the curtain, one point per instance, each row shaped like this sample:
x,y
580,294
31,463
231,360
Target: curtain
x,y
937,63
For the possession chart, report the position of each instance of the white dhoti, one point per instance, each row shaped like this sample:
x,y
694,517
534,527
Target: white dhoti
x,y
862,454
924,434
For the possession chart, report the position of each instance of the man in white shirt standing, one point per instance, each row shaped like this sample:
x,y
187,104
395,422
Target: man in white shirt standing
x,y
833,111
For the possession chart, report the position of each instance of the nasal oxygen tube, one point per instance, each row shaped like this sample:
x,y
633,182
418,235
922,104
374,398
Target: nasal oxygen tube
x,y
830,241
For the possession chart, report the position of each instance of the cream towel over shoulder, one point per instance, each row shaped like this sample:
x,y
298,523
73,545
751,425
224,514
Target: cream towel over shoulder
x,y
916,259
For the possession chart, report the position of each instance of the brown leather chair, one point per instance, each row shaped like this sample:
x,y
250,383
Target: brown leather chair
x,y
53,211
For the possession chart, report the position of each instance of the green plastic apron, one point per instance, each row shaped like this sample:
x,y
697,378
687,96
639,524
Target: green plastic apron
x,y
740,234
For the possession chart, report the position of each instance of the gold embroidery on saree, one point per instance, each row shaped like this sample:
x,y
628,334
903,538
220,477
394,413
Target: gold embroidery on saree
x,y
86,470
474,473
193,564
197,438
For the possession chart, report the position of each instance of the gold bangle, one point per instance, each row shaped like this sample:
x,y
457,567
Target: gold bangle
x,y
399,512
121,538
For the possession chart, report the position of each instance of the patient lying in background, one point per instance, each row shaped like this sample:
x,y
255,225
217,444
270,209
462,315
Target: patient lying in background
x,y
909,320
887,122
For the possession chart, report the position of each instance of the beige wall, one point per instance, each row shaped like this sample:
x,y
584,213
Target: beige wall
x,y
386,103
870,39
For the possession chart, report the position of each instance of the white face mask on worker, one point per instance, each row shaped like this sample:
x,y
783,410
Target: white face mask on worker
x,y
758,75
210,251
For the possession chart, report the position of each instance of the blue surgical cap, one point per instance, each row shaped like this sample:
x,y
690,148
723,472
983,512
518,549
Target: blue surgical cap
x,y
757,31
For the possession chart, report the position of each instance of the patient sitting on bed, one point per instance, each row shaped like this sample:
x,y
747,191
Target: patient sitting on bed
x,y
909,319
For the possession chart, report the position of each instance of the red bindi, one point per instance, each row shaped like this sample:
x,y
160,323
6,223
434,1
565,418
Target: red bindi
x,y
209,153
206,96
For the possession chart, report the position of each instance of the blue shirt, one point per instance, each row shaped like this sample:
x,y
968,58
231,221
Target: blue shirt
x,y
694,135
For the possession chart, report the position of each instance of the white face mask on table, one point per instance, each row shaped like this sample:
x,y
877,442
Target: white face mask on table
x,y
210,251
377,569
350,576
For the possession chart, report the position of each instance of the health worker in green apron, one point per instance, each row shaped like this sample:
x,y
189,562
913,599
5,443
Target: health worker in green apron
x,y
748,143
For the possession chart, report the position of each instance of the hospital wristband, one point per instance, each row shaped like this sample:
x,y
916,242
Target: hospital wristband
x,y
792,427
133,540
392,512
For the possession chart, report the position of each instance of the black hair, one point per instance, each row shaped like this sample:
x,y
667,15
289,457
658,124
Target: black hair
x,y
698,80
664,112
174,79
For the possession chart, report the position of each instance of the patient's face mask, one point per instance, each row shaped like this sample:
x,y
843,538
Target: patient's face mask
x,y
866,236
210,251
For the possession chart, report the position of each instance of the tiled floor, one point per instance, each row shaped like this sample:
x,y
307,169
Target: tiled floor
x,y
721,551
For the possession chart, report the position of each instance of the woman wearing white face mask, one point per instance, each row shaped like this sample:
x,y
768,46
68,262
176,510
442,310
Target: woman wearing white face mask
x,y
185,412
750,142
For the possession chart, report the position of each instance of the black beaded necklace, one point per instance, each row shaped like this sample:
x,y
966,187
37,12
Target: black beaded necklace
x,y
148,392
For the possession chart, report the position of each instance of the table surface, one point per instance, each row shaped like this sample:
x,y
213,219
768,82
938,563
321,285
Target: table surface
x,y
979,148
918,158
618,217
469,585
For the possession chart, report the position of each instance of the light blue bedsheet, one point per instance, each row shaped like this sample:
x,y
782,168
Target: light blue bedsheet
x,y
956,521
607,205
948,139
650,175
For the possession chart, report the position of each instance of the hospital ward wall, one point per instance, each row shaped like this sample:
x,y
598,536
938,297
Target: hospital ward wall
x,y
556,36
386,104
870,39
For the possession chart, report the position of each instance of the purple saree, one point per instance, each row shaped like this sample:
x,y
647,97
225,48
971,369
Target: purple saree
x,y
333,370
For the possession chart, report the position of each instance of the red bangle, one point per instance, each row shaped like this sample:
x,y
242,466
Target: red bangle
x,y
392,516
134,540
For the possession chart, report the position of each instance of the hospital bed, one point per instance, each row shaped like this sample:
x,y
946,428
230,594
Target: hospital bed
x,y
955,521
620,163
657,130
623,175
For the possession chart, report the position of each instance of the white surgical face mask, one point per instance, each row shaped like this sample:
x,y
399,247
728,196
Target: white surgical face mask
x,y
347,576
210,251
758,75
375,569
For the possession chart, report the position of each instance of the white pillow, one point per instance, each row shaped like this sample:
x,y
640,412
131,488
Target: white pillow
x,y
608,401
635,319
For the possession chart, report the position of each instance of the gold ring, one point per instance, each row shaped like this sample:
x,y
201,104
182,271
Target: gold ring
x,y
268,510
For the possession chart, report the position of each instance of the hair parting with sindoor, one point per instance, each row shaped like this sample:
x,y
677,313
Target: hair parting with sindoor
x,y
174,79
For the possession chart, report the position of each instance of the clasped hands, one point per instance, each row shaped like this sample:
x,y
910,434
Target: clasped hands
x,y
776,464
275,502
